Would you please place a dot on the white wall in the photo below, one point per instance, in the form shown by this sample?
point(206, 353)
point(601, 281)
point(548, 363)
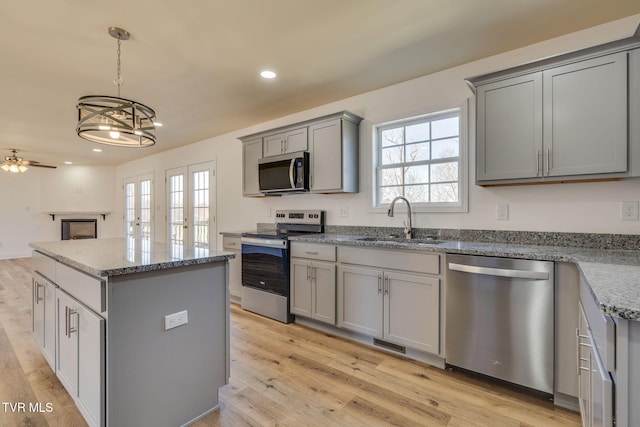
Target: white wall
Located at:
point(580, 207)
point(26, 198)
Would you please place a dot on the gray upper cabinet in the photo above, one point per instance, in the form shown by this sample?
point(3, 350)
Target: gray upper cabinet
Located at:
point(585, 117)
point(334, 156)
point(554, 120)
point(285, 142)
point(509, 138)
point(251, 154)
point(332, 142)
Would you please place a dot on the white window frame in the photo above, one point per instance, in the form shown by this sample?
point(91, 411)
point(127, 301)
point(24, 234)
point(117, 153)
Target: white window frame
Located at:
point(463, 166)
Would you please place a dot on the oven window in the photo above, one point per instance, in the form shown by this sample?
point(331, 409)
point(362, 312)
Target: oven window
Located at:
point(265, 268)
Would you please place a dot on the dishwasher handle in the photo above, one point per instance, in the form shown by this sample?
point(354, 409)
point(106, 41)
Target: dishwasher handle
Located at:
point(501, 272)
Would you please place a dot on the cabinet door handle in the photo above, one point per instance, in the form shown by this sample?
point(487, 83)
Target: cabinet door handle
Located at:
point(313, 273)
point(38, 297)
point(538, 163)
point(548, 160)
point(311, 252)
point(308, 273)
point(386, 285)
point(68, 329)
point(379, 283)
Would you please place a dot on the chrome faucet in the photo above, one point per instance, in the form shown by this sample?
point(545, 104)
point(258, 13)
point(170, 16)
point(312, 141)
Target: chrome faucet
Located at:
point(407, 223)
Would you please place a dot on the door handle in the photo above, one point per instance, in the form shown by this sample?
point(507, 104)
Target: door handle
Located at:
point(386, 285)
point(38, 297)
point(291, 178)
point(501, 272)
point(68, 329)
point(379, 283)
point(548, 160)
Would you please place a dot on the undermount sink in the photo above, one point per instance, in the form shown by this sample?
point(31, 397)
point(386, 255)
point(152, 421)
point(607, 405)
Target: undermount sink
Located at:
point(400, 240)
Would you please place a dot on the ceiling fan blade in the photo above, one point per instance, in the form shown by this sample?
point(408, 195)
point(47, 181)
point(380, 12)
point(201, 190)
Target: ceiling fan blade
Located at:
point(38, 165)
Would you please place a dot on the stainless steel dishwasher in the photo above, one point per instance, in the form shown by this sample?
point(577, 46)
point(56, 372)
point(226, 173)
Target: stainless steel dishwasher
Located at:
point(499, 318)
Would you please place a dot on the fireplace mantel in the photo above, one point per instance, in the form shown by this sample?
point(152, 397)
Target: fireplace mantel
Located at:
point(101, 213)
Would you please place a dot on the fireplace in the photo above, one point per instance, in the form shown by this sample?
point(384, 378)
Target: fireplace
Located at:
point(73, 229)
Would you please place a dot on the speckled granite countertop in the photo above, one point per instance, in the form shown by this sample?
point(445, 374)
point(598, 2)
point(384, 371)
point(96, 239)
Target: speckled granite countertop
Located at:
point(614, 275)
point(117, 256)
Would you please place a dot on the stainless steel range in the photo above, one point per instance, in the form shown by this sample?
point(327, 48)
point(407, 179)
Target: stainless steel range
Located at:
point(265, 262)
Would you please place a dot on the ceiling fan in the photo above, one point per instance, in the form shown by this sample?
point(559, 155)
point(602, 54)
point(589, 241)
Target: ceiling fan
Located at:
point(16, 164)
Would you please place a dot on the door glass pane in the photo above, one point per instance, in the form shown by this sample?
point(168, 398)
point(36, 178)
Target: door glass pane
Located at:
point(130, 209)
point(176, 210)
point(200, 213)
point(145, 209)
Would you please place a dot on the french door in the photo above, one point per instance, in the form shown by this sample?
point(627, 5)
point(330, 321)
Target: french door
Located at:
point(191, 206)
point(138, 204)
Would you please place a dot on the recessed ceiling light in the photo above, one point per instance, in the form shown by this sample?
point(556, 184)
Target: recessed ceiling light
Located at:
point(97, 150)
point(157, 124)
point(268, 74)
point(68, 163)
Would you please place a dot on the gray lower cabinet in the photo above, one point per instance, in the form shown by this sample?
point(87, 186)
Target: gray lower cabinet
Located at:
point(596, 341)
point(233, 244)
point(251, 154)
point(43, 310)
point(80, 356)
point(398, 301)
point(566, 122)
point(313, 281)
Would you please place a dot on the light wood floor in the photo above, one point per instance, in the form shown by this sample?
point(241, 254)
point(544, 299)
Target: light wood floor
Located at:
point(281, 375)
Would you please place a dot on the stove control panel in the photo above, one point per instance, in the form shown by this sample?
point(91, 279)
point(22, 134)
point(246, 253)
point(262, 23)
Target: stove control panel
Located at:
point(313, 217)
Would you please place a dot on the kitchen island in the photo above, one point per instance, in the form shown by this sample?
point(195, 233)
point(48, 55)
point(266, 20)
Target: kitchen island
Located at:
point(137, 331)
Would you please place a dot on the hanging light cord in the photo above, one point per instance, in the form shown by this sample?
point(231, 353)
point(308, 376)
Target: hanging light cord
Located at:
point(118, 80)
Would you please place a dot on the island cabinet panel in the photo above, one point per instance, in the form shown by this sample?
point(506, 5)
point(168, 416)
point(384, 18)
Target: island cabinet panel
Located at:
point(88, 289)
point(43, 311)
point(555, 123)
point(182, 367)
point(80, 356)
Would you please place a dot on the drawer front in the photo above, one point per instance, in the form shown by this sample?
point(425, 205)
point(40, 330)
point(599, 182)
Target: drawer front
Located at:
point(313, 251)
point(419, 262)
point(602, 327)
point(89, 290)
point(44, 265)
point(231, 243)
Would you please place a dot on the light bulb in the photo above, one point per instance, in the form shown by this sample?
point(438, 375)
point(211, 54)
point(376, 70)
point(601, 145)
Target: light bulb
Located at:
point(114, 134)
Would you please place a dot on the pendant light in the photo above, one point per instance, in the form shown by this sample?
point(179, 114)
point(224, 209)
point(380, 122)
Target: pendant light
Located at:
point(114, 120)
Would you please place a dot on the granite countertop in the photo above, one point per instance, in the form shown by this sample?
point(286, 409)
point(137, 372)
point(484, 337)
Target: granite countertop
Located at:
point(613, 275)
point(117, 256)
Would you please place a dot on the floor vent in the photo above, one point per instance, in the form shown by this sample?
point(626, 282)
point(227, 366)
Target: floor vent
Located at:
point(395, 347)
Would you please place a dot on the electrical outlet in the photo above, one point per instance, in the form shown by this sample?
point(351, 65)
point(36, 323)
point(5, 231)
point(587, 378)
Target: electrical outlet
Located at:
point(502, 211)
point(344, 211)
point(629, 211)
point(176, 319)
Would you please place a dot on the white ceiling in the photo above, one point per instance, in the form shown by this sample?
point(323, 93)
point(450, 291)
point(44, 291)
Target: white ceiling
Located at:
point(196, 62)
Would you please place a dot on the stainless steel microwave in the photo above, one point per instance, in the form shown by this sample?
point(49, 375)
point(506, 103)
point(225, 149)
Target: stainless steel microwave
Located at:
point(285, 173)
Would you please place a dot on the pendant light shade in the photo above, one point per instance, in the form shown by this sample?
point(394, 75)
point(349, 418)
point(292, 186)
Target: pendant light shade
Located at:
point(114, 120)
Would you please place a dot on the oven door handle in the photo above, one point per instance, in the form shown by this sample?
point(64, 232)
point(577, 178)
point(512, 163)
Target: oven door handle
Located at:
point(267, 243)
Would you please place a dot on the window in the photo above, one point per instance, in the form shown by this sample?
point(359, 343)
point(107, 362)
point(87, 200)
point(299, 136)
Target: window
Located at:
point(422, 160)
